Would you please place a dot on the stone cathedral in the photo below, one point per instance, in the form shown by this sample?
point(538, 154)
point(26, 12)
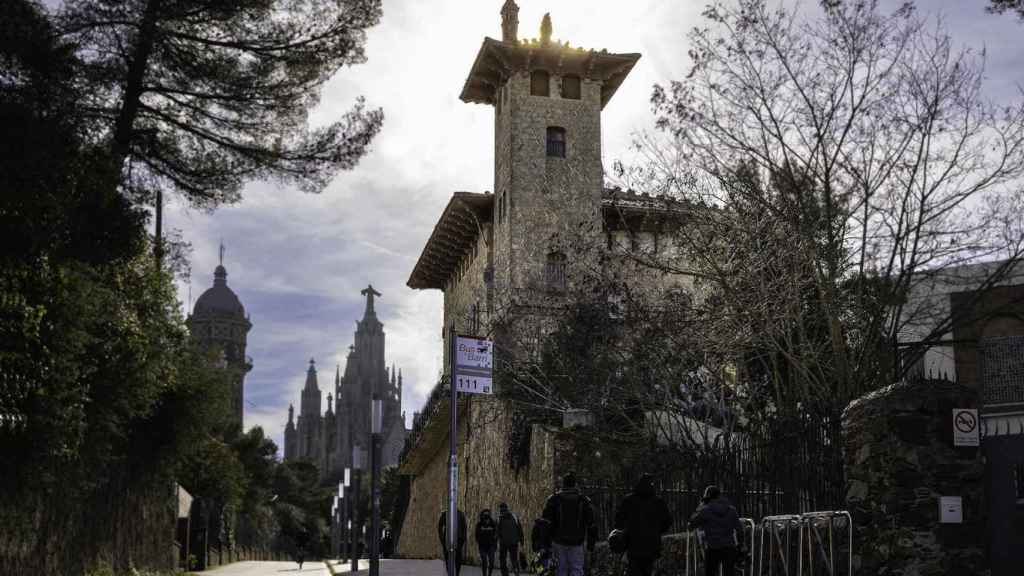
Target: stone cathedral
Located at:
point(330, 438)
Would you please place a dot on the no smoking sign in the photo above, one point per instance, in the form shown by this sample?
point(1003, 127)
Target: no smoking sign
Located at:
point(965, 427)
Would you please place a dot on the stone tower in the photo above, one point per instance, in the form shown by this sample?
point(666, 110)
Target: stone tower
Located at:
point(548, 175)
point(219, 320)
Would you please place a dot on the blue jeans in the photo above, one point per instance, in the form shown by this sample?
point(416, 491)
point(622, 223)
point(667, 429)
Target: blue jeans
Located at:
point(568, 560)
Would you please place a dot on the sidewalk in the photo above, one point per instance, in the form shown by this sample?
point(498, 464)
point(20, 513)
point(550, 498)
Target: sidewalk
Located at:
point(395, 567)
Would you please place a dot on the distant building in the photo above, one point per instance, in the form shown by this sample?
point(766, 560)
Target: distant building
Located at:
point(330, 438)
point(219, 320)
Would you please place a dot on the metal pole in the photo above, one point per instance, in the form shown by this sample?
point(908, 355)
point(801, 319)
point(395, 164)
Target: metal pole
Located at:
point(453, 463)
point(375, 431)
point(356, 519)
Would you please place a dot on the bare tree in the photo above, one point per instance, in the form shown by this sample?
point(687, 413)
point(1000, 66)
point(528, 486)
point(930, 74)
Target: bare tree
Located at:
point(846, 159)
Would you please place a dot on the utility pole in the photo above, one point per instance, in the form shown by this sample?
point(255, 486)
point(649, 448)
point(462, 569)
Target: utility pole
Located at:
point(453, 462)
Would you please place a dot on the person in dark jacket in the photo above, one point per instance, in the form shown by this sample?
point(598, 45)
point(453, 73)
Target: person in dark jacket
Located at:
point(510, 536)
point(540, 542)
point(460, 538)
point(644, 517)
point(486, 535)
point(572, 525)
point(723, 532)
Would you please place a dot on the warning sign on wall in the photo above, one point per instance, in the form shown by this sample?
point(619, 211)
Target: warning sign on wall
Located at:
point(965, 427)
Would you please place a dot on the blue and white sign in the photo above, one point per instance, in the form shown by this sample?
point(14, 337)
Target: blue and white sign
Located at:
point(473, 358)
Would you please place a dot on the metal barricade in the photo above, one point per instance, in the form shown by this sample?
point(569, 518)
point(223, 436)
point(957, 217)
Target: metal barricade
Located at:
point(777, 552)
point(820, 539)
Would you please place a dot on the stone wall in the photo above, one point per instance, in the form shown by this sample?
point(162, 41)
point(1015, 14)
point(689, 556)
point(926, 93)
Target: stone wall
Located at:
point(485, 478)
point(900, 459)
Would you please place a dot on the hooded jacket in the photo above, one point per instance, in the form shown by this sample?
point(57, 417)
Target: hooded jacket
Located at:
point(644, 517)
point(720, 522)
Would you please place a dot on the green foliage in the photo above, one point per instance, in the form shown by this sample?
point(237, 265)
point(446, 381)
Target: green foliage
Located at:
point(201, 96)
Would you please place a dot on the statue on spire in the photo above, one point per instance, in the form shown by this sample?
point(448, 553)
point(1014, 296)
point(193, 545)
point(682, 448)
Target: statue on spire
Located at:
point(545, 30)
point(369, 292)
point(510, 22)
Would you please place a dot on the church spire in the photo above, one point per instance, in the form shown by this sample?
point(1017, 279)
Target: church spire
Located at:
point(311, 375)
point(291, 414)
point(545, 30)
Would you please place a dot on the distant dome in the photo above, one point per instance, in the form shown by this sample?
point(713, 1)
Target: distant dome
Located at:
point(219, 299)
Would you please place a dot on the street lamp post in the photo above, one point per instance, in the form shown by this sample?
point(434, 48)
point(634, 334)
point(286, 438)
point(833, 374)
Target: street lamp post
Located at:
point(334, 526)
point(346, 514)
point(357, 464)
point(376, 416)
point(340, 518)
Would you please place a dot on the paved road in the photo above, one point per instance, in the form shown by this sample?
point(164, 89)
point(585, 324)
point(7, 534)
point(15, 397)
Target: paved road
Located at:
point(387, 568)
point(270, 569)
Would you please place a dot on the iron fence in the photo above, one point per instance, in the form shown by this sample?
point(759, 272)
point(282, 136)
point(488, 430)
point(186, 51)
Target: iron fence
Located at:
point(788, 467)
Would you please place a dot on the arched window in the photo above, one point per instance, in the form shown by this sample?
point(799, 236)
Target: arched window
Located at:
point(540, 83)
point(571, 87)
point(554, 272)
point(556, 142)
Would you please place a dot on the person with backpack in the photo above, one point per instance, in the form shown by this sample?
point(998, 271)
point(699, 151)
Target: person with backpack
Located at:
point(510, 536)
point(572, 525)
point(540, 542)
point(723, 532)
point(486, 535)
point(460, 538)
point(644, 518)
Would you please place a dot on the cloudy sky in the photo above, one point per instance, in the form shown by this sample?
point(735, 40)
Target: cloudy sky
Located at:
point(298, 261)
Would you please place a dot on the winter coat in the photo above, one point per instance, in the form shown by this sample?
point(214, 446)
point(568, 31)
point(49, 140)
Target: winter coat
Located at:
point(540, 534)
point(644, 517)
point(510, 533)
point(720, 522)
point(486, 533)
point(571, 517)
point(442, 529)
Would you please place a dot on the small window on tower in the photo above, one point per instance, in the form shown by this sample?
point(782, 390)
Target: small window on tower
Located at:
point(571, 87)
point(554, 272)
point(540, 83)
point(556, 142)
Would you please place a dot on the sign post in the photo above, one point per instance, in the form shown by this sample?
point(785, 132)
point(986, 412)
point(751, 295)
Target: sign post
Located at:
point(965, 427)
point(469, 371)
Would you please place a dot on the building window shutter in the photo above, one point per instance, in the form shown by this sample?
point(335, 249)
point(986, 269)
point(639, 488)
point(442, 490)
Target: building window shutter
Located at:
point(571, 87)
point(540, 83)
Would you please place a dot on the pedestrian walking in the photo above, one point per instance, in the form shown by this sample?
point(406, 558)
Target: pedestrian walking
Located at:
point(486, 535)
point(644, 518)
point(723, 532)
point(510, 537)
point(572, 526)
point(460, 539)
point(540, 542)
